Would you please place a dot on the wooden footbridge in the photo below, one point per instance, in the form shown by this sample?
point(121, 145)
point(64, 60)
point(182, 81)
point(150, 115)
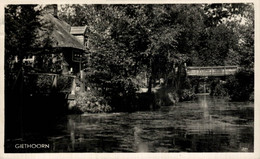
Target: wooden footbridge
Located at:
point(212, 71)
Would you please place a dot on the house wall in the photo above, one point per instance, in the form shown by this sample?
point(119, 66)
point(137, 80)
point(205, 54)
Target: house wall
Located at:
point(45, 61)
point(68, 57)
point(81, 39)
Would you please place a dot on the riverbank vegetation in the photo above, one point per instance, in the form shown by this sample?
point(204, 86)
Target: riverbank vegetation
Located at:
point(154, 41)
point(241, 86)
point(125, 40)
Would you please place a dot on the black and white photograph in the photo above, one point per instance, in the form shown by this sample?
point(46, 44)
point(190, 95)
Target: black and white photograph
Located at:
point(129, 78)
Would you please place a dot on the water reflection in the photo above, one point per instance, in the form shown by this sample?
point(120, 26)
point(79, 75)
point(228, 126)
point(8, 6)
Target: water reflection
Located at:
point(205, 125)
point(204, 105)
point(140, 145)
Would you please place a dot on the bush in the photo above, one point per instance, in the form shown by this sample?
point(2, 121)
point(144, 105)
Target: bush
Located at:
point(252, 97)
point(241, 85)
point(166, 96)
point(218, 88)
point(43, 83)
point(64, 83)
point(187, 95)
point(91, 102)
point(38, 84)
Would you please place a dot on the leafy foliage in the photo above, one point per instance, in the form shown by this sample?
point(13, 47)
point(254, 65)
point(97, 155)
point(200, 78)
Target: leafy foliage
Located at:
point(125, 40)
point(241, 85)
point(34, 83)
point(218, 88)
point(23, 25)
point(91, 102)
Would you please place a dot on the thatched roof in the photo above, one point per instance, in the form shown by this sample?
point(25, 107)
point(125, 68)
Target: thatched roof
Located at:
point(78, 30)
point(61, 33)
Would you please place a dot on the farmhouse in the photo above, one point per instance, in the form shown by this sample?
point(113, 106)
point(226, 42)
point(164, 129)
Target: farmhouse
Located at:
point(67, 51)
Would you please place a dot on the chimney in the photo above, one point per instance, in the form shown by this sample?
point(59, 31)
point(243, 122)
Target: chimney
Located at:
point(52, 9)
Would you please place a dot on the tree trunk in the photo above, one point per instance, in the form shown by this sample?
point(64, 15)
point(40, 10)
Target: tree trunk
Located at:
point(150, 78)
point(178, 77)
point(150, 84)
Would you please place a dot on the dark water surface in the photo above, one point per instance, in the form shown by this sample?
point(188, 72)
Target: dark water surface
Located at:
point(204, 125)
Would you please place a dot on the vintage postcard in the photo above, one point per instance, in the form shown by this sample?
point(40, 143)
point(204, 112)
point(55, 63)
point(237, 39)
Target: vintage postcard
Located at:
point(122, 79)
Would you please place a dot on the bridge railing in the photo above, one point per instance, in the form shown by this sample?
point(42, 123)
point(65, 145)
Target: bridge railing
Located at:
point(212, 71)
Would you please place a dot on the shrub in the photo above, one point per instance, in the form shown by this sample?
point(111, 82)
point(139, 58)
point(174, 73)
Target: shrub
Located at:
point(43, 83)
point(187, 95)
point(252, 98)
point(241, 85)
point(64, 83)
point(166, 96)
point(218, 88)
point(91, 102)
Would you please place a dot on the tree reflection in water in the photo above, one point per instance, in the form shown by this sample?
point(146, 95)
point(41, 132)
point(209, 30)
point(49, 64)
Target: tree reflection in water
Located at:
point(204, 125)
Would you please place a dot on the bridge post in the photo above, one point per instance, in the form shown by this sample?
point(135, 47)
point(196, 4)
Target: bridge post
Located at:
point(204, 84)
point(224, 70)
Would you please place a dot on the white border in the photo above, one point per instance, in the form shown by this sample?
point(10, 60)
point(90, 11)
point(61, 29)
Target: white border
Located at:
point(255, 155)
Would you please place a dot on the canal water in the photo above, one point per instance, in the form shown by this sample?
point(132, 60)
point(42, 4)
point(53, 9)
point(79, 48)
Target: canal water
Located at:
point(204, 125)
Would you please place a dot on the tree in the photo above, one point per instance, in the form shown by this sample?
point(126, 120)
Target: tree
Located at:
point(21, 23)
point(127, 39)
point(238, 23)
point(157, 39)
point(235, 23)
